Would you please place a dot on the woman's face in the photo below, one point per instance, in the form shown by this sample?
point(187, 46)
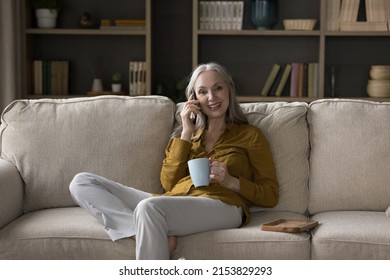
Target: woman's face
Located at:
point(213, 94)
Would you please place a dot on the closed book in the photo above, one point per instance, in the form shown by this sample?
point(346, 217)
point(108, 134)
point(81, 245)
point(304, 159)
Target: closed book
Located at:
point(316, 80)
point(349, 10)
point(218, 16)
point(270, 79)
point(212, 15)
point(388, 13)
point(238, 14)
point(46, 77)
point(38, 76)
point(283, 80)
point(376, 10)
point(55, 77)
point(294, 79)
point(332, 14)
point(202, 15)
point(305, 79)
point(310, 81)
point(277, 81)
point(65, 77)
point(301, 75)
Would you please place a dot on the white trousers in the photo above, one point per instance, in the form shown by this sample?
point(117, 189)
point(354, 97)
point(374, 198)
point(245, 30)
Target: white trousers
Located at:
point(125, 211)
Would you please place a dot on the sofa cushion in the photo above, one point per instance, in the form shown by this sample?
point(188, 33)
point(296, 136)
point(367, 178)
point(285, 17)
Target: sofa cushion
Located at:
point(51, 140)
point(285, 127)
point(247, 243)
point(349, 161)
point(73, 234)
point(63, 233)
point(351, 235)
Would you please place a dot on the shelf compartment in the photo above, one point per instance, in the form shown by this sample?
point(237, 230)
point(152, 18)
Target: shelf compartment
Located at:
point(67, 31)
point(352, 58)
point(258, 33)
point(251, 65)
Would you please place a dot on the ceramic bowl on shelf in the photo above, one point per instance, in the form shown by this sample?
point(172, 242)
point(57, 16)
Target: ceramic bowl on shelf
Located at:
point(378, 88)
point(380, 72)
point(299, 24)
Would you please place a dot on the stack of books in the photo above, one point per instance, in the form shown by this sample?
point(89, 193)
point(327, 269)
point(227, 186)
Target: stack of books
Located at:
point(50, 77)
point(137, 78)
point(302, 79)
point(221, 15)
point(358, 15)
point(127, 24)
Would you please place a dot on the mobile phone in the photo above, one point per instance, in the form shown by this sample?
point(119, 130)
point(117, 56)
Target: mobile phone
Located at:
point(193, 116)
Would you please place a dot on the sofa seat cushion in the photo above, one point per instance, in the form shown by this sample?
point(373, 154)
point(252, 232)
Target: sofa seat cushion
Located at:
point(248, 242)
point(72, 234)
point(62, 233)
point(119, 137)
point(351, 235)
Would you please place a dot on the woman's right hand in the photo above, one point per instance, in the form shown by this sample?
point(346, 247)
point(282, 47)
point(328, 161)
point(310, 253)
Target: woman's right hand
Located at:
point(188, 114)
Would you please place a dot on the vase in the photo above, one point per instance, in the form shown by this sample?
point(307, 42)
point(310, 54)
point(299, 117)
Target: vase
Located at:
point(97, 85)
point(116, 87)
point(46, 18)
point(264, 13)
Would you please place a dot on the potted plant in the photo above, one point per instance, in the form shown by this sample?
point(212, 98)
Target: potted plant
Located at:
point(46, 12)
point(116, 82)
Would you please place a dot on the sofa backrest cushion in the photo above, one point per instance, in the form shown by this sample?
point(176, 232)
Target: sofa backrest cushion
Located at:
point(285, 127)
point(118, 137)
point(350, 155)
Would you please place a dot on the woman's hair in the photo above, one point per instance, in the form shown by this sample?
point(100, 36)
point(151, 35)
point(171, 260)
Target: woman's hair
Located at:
point(234, 112)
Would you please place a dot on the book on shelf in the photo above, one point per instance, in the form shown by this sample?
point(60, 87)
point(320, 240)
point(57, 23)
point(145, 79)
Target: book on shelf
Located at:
point(316, 79)
point(313, 77)
point(388, 14)
point(376, 10)
point(50, 77)
point(304, 80)
point(270, 79)
point(332, 15)
point(360, 15)
point(301, 79)
point(137, 78)
point(272, 91)
point(294, 79)
point(221, 15)
point(349, 10)
point(283, 80)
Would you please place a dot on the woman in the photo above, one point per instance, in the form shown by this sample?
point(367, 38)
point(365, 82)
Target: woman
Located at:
point(242, 173)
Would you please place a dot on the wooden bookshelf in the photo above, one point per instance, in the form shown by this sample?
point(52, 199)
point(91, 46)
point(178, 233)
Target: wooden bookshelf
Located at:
point(117, 47)
point(249, 53)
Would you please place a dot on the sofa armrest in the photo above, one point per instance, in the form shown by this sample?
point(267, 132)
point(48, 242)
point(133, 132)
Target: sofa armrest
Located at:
point(11, 193)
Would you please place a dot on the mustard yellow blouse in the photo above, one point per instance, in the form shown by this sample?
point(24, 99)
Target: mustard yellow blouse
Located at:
point(245, 151)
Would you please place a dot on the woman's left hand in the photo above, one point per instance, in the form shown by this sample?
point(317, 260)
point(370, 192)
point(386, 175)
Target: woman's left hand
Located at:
point(220, 174)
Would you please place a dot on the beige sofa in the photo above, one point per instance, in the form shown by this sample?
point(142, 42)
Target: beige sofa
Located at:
point(332, 159)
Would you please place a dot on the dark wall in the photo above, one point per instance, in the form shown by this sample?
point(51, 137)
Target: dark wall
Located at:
point(172, 43)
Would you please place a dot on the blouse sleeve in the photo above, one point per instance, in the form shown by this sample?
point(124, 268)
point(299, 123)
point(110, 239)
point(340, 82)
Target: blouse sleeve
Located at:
point(174, 165)
point(263, 190)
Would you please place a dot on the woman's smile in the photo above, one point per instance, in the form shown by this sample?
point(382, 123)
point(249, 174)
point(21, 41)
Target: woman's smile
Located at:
point(215, 106)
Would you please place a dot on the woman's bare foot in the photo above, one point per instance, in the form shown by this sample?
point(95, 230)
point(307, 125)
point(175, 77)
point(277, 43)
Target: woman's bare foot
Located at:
point(172, 241)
